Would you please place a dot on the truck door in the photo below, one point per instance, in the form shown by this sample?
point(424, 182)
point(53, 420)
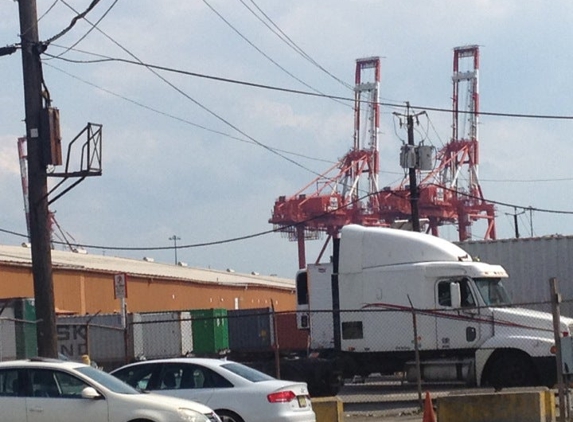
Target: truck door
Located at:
point(457, 328)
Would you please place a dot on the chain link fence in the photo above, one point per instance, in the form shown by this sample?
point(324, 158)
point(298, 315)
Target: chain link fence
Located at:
point(380, 356)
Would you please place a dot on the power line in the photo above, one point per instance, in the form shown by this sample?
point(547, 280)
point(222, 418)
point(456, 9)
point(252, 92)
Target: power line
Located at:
point(91, 29)
point(275, 29)
point(261, 51)
point(104, 59)
point(562, 179)
point(180, 119)
point(196, 102)
point(73, 21)
point(505, 204)
point(263, 233)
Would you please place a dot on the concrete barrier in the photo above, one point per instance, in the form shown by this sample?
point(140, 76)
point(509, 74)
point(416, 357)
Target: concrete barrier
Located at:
point(504, 406)
point(328, 409)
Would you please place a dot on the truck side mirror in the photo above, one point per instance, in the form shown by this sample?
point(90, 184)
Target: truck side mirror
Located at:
point(455, 295)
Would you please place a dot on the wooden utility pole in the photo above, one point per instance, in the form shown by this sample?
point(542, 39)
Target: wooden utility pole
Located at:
point(412, 174)
point(37, 180)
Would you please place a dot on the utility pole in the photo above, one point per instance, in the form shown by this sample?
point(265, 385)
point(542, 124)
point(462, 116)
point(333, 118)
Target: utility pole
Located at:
point(175, 239)
point(414, 194)
point(410, 159)
point(37, 181)
point(515, 222)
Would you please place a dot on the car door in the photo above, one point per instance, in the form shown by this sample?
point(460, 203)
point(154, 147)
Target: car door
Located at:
point(458, 328)
point(12, 397)
point(57, 396)
point(188, 381)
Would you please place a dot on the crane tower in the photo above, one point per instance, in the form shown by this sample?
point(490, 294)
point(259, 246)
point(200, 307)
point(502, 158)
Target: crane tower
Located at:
point(451, 193)
point(348, 192)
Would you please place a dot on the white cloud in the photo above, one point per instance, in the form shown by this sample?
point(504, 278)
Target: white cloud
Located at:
point(162, 175)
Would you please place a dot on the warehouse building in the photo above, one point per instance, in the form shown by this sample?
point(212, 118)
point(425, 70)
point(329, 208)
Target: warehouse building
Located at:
point(84, 284)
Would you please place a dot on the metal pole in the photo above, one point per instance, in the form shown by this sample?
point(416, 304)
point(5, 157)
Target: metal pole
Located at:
point(337, 336)
point(417, 355)
point(37, 181)
point(175, 239)
point(555, 301)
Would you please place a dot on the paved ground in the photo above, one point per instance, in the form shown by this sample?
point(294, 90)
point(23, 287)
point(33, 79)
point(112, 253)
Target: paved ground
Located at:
point(383, 417)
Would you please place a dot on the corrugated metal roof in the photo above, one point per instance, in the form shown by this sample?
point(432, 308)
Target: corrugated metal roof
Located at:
point(18, 255)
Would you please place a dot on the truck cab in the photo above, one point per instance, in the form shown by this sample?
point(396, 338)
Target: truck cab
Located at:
point(467, 329)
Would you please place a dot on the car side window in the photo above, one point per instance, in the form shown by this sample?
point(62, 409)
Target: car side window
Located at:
point(70, 386)
point(170, 378)
point(444, 298)
point(10, 382)
point(44, 383)
point(138, 376)
point(196, 376)
point(467, 296)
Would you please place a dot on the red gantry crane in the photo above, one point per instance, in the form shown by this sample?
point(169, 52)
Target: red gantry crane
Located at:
point(348, 192)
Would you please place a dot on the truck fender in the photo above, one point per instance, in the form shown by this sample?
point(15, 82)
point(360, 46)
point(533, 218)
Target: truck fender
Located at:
point(530, 345)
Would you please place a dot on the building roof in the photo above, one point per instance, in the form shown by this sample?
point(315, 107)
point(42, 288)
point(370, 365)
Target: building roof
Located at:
point(21, 256)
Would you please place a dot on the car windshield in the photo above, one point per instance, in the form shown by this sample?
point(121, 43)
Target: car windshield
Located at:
point(492, 291)
point(246, 372)
point(108, 381)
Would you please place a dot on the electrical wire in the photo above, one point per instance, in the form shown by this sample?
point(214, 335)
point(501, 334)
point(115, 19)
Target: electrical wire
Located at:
point(73, 21)
point(48, 10)
point(263, 53)
point(281, 229)
point(199, 104)
point(104, 59)
point(275, 29)
point(91, 28)
point(562, 179)
point(300, 92)
point(180, 119)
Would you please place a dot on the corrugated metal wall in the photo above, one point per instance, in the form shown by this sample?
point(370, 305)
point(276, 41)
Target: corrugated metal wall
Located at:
point(531, 262)
point(82, 292)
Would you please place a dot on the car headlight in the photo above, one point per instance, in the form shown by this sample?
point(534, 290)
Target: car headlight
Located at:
point(190, 415)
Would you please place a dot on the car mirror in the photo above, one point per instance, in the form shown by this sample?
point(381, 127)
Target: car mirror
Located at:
point(90, 393)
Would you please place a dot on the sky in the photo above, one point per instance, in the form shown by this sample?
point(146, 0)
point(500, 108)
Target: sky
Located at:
point(204, 160)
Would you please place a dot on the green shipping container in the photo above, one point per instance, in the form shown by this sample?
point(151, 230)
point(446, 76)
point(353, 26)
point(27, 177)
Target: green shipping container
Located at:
point(26, 339)
point(210, 331)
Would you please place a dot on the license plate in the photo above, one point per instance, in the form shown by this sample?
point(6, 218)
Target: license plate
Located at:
point(301, 401)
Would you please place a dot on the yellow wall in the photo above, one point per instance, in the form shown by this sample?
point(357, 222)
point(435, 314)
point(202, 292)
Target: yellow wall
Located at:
point(90, 291)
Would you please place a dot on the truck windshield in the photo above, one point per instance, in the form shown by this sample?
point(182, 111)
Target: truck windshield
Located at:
point(492, 291)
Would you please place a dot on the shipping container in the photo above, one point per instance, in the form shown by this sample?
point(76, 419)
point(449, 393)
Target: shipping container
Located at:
point(210, 331)
point(18, 338)
point(99, 336)
point(161, 334)
point(250, 330)
point(530, 263)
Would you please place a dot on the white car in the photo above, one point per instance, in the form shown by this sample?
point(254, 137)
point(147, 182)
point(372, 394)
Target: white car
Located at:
point(236, 392)
point(50, 390)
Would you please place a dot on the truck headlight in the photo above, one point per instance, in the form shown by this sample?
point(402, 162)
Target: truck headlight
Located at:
point(190, 415)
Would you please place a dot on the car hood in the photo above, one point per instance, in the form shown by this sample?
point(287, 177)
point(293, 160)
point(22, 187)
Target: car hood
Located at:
point(171, 402)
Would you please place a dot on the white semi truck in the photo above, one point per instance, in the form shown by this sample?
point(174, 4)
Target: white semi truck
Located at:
point(359, 310)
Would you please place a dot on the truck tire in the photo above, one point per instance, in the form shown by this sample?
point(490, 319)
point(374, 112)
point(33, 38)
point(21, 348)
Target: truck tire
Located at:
point(511, 368)
point(321, 376)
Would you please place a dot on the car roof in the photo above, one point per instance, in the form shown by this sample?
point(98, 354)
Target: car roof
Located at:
point(41, 363)
point(199, 361)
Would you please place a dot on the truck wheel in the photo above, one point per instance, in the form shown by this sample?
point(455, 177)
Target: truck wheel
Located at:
point(228, 416)
point(511, 369)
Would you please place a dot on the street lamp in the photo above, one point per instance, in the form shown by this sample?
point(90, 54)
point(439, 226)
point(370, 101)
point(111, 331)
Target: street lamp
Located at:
point(175, 239)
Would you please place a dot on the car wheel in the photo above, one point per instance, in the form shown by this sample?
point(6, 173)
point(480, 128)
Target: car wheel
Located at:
point(228, 416)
